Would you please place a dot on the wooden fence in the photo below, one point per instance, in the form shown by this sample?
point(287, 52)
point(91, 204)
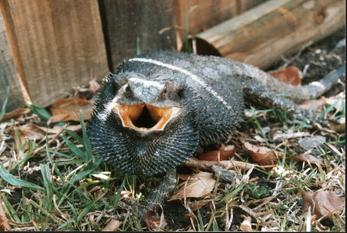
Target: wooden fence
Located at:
point(47, 47)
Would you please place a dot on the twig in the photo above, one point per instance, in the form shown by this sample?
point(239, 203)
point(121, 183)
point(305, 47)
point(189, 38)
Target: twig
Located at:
point(227, 164)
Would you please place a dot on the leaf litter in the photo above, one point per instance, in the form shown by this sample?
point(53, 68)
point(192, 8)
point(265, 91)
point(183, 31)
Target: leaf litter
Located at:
point(214, 189)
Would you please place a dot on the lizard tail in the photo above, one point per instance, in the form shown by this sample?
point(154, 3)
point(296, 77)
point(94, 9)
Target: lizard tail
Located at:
point(297, 94)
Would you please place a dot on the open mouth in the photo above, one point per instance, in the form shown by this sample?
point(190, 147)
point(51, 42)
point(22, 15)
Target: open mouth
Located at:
point(144, 117)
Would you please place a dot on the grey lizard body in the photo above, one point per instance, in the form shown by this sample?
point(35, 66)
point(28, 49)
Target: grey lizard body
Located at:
point(158, 108)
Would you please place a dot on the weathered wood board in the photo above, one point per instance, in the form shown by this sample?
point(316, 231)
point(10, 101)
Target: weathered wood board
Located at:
point(9, 85)
point(273, 29)
point(60, 44)
point(194, 16)
point(136, 26)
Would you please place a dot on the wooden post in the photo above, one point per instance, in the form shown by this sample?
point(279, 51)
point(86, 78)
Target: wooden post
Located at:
point(11, 81)
point(58, 45)
point(136, 26)
point(273, 29)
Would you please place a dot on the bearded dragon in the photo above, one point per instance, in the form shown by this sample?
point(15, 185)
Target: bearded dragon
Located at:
point(155, 111)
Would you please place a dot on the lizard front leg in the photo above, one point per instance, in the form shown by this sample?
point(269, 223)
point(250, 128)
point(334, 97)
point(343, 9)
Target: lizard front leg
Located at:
point(155, 199)
point(161, 192)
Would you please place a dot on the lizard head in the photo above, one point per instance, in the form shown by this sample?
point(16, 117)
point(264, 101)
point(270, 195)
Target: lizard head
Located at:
point(142, 126)
point(147, 106)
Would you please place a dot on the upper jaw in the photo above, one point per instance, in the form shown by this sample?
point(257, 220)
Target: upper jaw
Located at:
point(145, 118)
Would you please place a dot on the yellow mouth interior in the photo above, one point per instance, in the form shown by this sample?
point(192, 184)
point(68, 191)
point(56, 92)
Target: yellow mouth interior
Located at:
point(144, 117)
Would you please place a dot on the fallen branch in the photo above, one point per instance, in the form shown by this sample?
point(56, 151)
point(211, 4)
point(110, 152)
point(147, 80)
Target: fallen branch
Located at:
point(272, 30)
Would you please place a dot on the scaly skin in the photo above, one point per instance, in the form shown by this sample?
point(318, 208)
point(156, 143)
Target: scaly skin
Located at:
point(209, 93)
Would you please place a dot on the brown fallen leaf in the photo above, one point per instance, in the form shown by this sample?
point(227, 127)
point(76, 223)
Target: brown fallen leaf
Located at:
point(260, 154)
point(337, 101)
point(315, 104)
point(246, 226)
point(112, 225)
point(4, 225)
point(198, 185)
point(291, 75)
point(68, 109)
point(154, 222)
point(94, 86)
point(198, 204)
point(339, 127)
point(307, 157)
point(31, 131)
point(323, 203)
point(35, 132)
point(19, 112)
point(223, 153)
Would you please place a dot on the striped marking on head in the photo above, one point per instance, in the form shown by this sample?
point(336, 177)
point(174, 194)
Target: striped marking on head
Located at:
point(194, 77)
point(108, 107)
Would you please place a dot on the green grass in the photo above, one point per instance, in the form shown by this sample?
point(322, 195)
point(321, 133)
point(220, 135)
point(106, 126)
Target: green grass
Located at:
point(65, 187)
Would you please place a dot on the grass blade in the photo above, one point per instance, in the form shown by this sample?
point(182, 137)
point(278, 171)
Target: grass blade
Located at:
point(17, 182)
point(40, 111)
point(86, 142)
point(77, 151)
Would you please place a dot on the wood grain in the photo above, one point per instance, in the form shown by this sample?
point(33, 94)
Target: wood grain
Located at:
point(136, 26)
point(194, 16)
point(60, 44)
point(9, 84)
point(273, 29)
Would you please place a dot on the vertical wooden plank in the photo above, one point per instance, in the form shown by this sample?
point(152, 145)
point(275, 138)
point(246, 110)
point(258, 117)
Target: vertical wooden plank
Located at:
point(137, 26)
point(9, 85)
point(60, 43)
point(194, 16)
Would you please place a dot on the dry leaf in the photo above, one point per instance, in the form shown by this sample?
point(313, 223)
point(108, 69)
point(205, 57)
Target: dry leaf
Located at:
point(309, 143)
point(291, 75)
point(339, 127)
point(19, 112)
point(323, 203)
point(94, 86)
point(246, 226)
point(338, 101)
point(31, 131)
point(34, 132)
point(4, 225)
point(26, 132)
point(112, 225)
point(315, 104)
point(199, 185)
point(68, 109)
point(198, 204)
point(261, 155)
point(307, 157)
point(155, 223)
point(223, 153)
